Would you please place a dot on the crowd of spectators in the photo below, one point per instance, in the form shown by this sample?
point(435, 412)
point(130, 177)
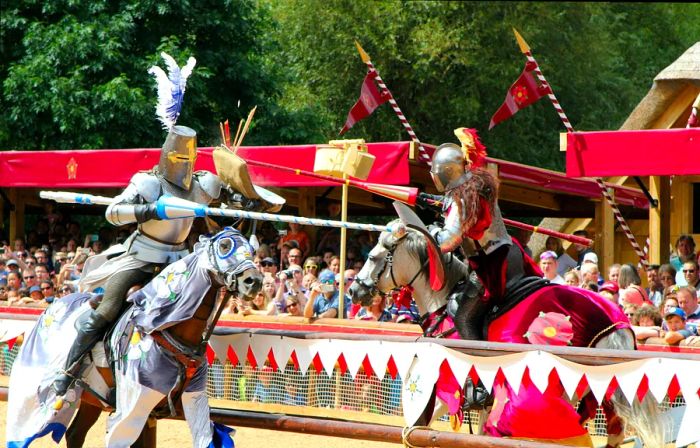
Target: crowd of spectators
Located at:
point(666, 308)
point(303, 280)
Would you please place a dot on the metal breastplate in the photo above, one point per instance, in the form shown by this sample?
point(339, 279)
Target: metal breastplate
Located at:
point(174, 231)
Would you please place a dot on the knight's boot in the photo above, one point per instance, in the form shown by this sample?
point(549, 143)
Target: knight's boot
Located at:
point(89, 333)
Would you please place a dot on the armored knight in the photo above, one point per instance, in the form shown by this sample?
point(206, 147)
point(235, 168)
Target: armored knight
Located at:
point(473, 221)
point(156, 242)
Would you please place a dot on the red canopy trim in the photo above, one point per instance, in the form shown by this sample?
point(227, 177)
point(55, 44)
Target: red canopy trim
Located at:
point(558, 182)
point(649, 152)
point(107, 168)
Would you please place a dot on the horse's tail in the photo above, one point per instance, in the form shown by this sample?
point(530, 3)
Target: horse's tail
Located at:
point(644, 417)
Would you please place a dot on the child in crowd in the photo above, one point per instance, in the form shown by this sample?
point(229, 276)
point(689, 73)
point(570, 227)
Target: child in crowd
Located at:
point(675, 321)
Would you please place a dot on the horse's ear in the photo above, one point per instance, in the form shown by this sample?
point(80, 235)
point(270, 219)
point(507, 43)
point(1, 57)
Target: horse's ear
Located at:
point(436, 265)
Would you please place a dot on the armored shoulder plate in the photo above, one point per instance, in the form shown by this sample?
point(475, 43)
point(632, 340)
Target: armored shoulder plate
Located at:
point(209, 182)
point(147, 185)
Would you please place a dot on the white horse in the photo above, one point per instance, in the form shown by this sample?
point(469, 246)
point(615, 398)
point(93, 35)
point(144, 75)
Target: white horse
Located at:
point(400, 259)
point(157, 353)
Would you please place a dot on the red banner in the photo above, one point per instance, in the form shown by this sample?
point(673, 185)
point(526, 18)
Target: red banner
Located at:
point(114, 167)
point(370, 99)
point(526, 90)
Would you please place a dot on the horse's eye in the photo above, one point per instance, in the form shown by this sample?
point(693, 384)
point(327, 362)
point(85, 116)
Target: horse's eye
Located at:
point(225, 246)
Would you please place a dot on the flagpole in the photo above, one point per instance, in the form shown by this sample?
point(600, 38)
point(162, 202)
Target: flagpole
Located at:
point(422, 153)
point(525, 49)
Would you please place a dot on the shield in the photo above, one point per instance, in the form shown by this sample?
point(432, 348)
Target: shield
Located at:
point(436, 263)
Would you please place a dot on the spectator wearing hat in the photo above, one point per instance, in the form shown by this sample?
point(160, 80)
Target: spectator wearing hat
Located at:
point(549, 267)
point(12, 265)
point(323, 298)
point(675, 321)
point(35, 298)
point(634, 295)
point(688, 301)
point(268, 265)
point(610, 291)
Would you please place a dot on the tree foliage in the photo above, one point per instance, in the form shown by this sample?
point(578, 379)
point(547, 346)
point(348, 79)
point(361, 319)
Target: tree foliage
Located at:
point(75, 72)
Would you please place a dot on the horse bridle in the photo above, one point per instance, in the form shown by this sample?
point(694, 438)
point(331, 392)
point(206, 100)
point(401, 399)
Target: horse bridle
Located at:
point(388, 262)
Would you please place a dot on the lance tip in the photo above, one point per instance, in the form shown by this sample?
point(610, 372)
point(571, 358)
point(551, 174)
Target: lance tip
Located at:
point(524, 47)
point(363, 54)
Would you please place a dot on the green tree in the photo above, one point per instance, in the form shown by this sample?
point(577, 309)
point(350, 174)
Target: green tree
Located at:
point(75, 72)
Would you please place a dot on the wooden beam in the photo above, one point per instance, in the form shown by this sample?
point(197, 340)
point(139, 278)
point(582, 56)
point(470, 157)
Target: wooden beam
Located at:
point(679, 106)
point(660, 220)
point(530, 197)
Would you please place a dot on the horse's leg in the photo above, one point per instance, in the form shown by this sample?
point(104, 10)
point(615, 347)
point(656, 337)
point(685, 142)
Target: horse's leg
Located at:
point(644, 417)
point(148, 438)
point(195, 406)
point(77, 431)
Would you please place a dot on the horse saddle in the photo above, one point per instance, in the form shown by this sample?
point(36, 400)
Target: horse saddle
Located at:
point(467, 289)
point(515, 294)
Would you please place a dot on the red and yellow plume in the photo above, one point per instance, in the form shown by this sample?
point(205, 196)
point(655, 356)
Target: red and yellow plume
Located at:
point(474, 151)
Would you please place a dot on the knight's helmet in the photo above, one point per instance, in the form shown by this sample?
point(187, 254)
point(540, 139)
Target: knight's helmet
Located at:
point(452, 165)
point(178, 155)
point(448, 170)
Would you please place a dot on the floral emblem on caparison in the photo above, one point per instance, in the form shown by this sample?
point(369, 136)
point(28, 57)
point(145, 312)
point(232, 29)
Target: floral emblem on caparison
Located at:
point(139, 345)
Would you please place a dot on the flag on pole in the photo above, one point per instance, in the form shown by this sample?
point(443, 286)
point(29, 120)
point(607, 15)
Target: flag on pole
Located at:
point(370, 99)
point(526, 90)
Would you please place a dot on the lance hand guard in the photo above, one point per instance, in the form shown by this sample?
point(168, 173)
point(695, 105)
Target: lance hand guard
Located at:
point(430, 201)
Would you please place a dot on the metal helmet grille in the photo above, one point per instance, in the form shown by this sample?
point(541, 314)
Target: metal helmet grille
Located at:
point(178, 156)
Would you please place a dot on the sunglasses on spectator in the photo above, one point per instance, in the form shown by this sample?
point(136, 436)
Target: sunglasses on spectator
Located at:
point(689, 271)
point(267, 264)
point(28, 277)
point(311, 266)
point(44, 288)
point(289, 305)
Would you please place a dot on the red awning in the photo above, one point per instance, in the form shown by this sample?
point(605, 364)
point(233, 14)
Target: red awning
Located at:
point(649, 152)
point(114, 167)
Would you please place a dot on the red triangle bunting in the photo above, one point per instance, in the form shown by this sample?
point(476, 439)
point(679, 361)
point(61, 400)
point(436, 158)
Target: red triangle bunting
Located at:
point(251, 358)
point(643, 388)
point(612, 387)
point(367, 366)
point(342, 364)
point(673, 388)
point(318, 365)
point(391, 367)
point(271, 359)
point(210, 355)
point(294, 359)
point(231, 353)
point(582, 386)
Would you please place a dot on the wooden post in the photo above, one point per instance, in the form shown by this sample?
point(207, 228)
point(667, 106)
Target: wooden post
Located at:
point(660, 219)
point(605, 236)
point(16, 215)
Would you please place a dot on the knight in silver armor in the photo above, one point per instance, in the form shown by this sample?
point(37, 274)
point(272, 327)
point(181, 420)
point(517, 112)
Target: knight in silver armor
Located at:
point(466, 192)
point(153, 245)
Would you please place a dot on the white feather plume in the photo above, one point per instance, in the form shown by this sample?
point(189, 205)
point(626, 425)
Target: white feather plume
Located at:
point(171, 88)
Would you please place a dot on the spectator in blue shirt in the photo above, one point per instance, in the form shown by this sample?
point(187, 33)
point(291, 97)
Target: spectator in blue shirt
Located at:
point(323, 299)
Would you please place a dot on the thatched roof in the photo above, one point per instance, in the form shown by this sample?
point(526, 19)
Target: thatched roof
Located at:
point(668, 84)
